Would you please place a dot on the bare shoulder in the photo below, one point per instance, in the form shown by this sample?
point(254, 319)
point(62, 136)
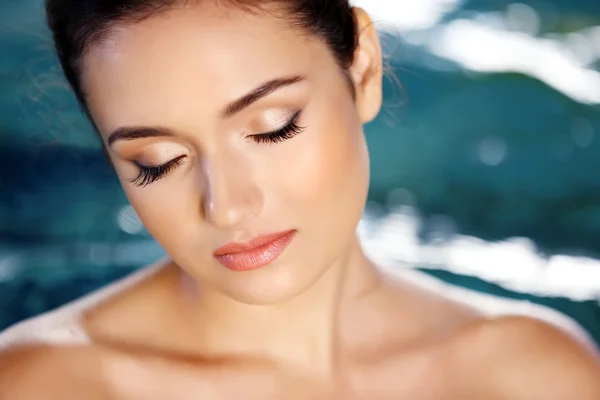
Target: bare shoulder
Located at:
point(524, 358)
point(51, 355)
point(91, 372)
point(50, 372)
point(66, 324)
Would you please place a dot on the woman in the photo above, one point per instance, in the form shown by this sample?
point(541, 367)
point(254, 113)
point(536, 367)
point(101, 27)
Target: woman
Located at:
point(235, 128)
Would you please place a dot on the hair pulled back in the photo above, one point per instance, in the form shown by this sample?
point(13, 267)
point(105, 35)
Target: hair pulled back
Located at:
point(76, 25)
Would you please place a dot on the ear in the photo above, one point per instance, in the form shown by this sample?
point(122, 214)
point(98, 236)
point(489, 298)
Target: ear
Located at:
point(367, 69)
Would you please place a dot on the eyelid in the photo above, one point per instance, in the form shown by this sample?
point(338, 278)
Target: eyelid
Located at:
point(291, 118)
point(289, 131)
point(139, 164)
point(156, 153)
point(279, 116)
point(150, 174)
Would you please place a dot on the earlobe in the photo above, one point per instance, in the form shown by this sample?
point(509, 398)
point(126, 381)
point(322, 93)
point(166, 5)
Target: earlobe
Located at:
point(367, 68)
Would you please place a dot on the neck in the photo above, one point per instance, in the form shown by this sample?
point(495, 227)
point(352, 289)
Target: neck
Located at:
point(302, 333)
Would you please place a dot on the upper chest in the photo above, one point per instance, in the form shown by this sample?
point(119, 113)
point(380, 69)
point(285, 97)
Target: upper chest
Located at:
point(414, 375)
point(420, 373)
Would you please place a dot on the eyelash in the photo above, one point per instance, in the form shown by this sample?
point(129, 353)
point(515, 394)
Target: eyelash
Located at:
point(148, 175)
point(290, 130)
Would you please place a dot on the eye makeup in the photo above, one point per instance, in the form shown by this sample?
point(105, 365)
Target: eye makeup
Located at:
point(151, 173)
point(288, 131)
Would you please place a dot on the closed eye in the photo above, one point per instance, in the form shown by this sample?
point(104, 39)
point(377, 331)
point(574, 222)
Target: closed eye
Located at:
point(148, 175)
point(290, 130)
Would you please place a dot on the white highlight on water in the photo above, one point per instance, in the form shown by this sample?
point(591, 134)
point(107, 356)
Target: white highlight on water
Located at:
point(513, 264)
point(498, 42)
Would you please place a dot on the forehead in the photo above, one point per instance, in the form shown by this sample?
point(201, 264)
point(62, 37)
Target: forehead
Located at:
point(200, 57)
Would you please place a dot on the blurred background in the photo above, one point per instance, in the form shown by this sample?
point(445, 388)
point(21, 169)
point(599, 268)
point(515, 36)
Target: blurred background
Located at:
point(485, 159)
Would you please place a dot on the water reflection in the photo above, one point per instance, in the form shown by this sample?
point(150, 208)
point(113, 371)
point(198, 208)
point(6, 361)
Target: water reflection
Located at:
point(514, 263)
point(499, 41)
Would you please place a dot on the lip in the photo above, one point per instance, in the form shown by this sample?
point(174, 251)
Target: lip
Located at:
point(255, 253)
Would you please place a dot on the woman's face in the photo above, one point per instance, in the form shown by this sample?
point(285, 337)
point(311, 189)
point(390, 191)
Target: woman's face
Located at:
point(292, 158)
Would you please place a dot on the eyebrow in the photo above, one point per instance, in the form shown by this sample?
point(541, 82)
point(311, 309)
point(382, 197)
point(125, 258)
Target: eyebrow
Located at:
point(133, 133)
point(231, 109)
point(262, 91)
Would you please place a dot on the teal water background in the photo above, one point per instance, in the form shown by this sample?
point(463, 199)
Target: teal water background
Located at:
point(499, 154)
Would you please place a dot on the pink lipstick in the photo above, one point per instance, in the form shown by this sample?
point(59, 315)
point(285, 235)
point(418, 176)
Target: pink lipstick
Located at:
point(255, 253)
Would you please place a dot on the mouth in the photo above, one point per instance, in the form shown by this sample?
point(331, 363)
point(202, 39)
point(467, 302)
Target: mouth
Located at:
point(255, 253)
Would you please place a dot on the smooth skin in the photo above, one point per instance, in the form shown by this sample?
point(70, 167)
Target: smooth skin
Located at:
point(321, 321)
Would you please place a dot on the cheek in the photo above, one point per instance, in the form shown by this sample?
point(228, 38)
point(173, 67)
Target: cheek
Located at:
point(328, 172)
point(163, 207)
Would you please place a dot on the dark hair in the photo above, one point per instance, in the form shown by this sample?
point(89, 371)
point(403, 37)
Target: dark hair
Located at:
point(78, 24)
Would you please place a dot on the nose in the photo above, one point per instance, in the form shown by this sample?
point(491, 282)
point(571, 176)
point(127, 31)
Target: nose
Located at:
point(231, 194)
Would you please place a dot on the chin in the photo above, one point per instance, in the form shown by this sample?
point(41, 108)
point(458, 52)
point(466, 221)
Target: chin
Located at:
point(271, 285)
